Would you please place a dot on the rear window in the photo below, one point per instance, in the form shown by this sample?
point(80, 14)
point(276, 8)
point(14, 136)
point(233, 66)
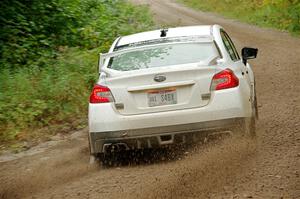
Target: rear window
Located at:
point(164, 55)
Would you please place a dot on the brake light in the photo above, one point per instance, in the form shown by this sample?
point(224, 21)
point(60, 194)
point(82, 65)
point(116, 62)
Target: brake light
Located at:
point(224, 80)
point(101, 94)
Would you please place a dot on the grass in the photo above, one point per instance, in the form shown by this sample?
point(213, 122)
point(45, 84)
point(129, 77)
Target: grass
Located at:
point(41, 100)
point(55, 96)
point(279, 14)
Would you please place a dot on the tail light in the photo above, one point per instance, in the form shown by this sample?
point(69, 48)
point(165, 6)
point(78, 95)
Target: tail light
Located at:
point(101, 94)
point(224, 79)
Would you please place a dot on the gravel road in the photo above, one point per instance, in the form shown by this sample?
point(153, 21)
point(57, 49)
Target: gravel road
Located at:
point(268, 167)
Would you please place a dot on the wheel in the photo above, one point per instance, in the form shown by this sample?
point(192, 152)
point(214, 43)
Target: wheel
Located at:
point(93, 159)
point(245, 127)
point(249, 128)
point(251, 123)
point(254, 105)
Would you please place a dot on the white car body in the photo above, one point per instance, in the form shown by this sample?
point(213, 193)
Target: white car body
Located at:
point(135, 115)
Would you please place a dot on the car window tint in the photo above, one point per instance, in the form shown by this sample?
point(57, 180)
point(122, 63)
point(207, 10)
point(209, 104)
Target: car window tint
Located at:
point(232, 46)
point(228, 47)
point(165, 55)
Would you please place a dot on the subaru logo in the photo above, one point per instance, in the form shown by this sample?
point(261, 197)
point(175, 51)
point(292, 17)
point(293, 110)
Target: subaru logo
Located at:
point(159, 78)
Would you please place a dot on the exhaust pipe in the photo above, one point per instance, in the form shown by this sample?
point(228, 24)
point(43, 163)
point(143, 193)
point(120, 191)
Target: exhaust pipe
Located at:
point(114, 147)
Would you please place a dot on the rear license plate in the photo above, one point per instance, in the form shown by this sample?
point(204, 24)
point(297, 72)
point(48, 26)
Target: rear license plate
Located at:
point(162, 97)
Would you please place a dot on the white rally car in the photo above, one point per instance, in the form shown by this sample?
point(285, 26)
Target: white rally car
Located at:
point(165, 86)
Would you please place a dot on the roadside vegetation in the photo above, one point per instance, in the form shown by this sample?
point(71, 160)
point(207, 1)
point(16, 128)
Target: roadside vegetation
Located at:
point(48, 61)
point(280, 14)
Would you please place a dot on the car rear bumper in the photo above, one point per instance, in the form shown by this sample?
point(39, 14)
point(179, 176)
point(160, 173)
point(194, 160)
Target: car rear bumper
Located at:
point(152, 137)
point(107, 126)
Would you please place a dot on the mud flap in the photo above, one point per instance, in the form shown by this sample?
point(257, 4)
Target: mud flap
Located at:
point(92, 159)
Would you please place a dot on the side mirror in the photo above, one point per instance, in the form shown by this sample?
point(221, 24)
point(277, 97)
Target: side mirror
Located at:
point(249, 53)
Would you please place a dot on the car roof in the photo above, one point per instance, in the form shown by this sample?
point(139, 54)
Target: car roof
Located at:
point(204, 30)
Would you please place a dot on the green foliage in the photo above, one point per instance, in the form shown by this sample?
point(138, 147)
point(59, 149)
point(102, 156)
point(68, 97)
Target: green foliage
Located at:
point(281, 14)
point(32, 31)
point(49, 52)
point(31, 97)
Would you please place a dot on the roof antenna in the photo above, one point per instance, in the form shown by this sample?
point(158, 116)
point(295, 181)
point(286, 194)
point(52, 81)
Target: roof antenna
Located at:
point(163, 32)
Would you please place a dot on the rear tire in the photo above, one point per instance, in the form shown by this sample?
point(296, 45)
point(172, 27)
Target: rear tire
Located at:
point(249, 129)
point(93, 159)
point(249, 124)
point(246, 127)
